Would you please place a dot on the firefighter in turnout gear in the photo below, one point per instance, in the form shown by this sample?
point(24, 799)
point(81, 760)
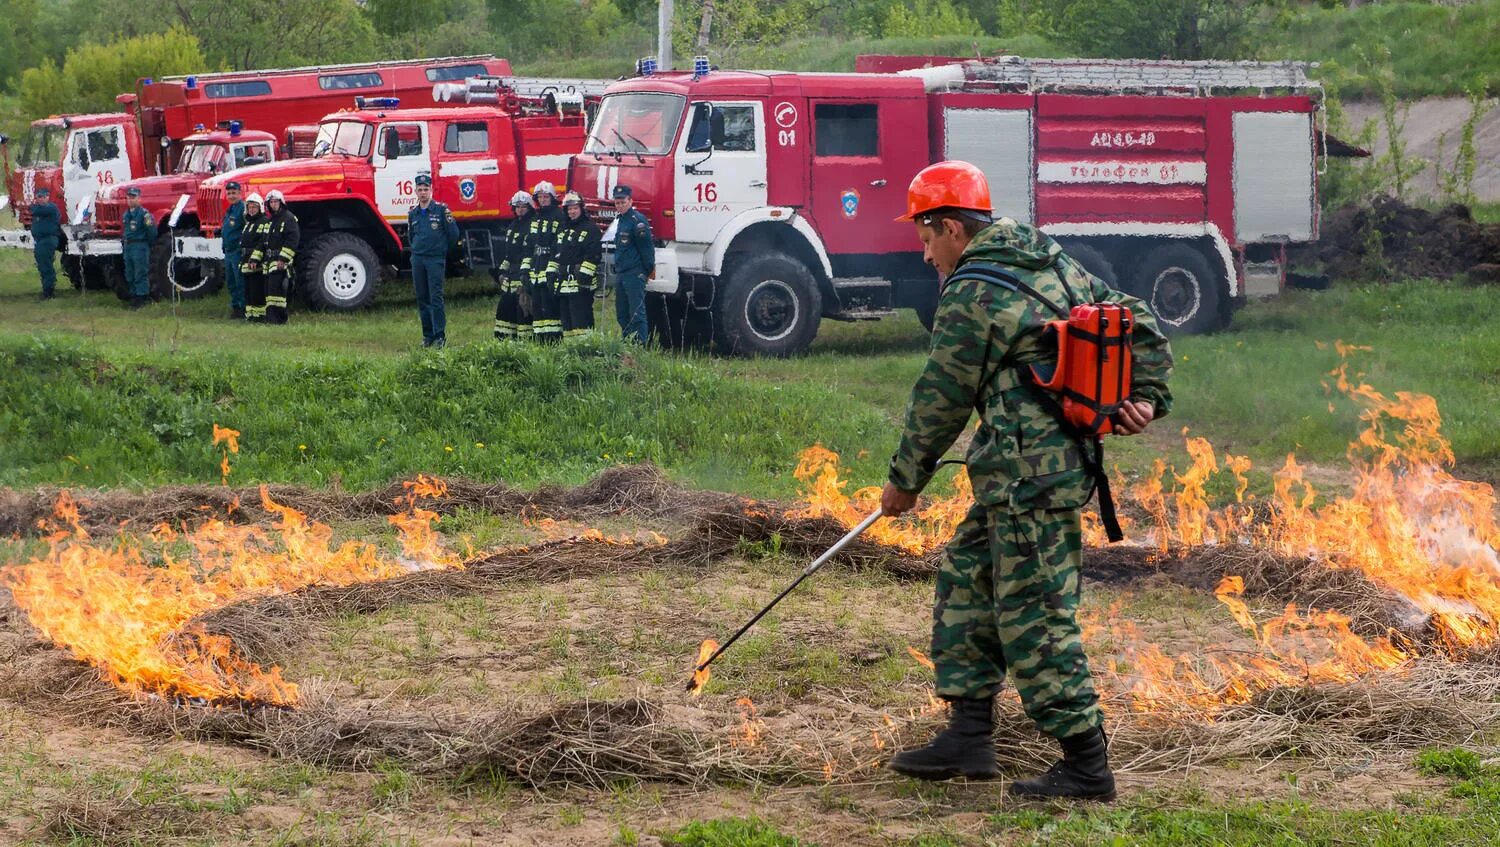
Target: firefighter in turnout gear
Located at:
point(139, 233)
point(46, 231)
point(231, 232)
point(1008, 588)
point(541, 243)
point(253, 253)
point(579, 250)
point(635, 262)
point(430, 231)
point(510, 320)
point(282, 238)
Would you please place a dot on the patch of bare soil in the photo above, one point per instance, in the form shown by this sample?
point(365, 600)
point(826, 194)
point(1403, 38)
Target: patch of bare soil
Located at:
point(1408, 240)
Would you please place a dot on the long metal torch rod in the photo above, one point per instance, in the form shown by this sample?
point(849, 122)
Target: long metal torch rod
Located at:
point(806, 572)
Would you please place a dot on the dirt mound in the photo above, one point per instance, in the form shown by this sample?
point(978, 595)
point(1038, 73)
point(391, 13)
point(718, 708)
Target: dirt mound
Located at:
point(1406, 241)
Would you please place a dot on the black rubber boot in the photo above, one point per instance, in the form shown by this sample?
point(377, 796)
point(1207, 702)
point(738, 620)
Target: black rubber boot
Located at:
point(1082, 774)
point(966, 748)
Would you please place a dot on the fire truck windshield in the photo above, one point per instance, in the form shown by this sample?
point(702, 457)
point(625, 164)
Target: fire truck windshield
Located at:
point(636, 122)
point(343, 138)
point(43, 146)
point(201, 159)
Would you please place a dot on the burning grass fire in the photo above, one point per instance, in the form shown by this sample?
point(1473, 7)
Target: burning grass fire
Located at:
point(1409, 526)
point(125, 608)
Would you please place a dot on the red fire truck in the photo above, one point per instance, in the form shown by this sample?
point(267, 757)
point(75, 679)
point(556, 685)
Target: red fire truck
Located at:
point(774, 195)
point(351, 198)
point(78, 155)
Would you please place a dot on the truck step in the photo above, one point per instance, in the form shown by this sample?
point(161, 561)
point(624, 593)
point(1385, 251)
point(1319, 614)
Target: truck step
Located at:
point(852, 315)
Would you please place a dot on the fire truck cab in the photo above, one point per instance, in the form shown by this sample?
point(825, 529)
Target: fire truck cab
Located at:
point(170, 200)
point(73, 156)
point(353, 195)
point(774, 195)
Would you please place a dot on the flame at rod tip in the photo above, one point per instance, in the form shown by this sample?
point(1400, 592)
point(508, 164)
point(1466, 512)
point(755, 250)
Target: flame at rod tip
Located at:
point(701, 672)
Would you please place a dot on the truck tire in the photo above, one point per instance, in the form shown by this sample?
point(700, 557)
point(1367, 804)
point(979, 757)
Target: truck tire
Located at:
point(769, 306)
point(1093, 260)
point(338, 271)
point(73, 269)
point(1180, 286)
point(193, 278)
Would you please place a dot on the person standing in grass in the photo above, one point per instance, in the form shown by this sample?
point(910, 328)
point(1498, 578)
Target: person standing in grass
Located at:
point(1008, 588)
point(253, 248)
point(635, 262)
point(430, 231)
point(231, 232)
point(579, 250)
point(511, 321)
point(282, 239)
point(139, 233)
point(46, 231)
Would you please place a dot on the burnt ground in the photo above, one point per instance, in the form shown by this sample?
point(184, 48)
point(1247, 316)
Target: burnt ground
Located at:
point(536, 698)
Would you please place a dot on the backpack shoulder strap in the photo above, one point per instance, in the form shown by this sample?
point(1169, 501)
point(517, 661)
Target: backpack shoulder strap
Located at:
point(997, 274)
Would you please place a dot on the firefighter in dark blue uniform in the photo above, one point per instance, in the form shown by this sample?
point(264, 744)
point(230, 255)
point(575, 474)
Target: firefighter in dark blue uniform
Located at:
point(140, 232)
point(231, 232)
point(430, 231)
point(635, 262)
point(46, 230)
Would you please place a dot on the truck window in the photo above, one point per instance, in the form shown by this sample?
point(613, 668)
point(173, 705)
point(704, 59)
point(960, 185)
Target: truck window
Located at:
point(252, 154)
point(410, 135)
point(467, 138)
point(636, 122)
point(738, 132)
point(846, 129)
point(104, 144)
point(342, 82)
point(455, 73)
point(247, 88)
point(41, 146)
point(345, 138)
point(201, 159)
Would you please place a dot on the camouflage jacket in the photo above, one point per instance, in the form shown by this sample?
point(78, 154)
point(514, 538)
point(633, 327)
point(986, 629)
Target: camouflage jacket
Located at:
point(1019, 459)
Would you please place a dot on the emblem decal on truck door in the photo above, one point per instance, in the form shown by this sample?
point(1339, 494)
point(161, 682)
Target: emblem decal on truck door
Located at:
point(467, 189)
point(849, 202)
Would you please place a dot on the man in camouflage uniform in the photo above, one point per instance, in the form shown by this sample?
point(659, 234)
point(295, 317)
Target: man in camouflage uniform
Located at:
point(1008, 589)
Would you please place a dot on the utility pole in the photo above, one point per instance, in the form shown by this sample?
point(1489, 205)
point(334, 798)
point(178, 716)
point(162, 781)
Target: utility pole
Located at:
point(664, 35)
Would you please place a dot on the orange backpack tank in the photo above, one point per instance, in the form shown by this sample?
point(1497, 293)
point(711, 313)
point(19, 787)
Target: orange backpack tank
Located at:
point(1089, 381)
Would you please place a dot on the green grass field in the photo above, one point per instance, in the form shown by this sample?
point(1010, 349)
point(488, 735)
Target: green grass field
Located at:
point(101, 396)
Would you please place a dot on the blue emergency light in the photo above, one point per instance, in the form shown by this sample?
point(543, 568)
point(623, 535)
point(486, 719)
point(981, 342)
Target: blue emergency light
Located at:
point(701, 67)
point(199, 128)
point(146, 81)
point(234, 128)
point(646, 66)
point(377, 102)
point(192, 82)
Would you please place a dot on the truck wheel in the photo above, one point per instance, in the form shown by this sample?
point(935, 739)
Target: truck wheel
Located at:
point(73, 269)
point(770, 307)
point(193, 278)
point(1093, 261)
point(338, 271)
point(1180, 286)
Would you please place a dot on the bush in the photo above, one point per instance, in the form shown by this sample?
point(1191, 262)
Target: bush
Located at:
point(93, 74)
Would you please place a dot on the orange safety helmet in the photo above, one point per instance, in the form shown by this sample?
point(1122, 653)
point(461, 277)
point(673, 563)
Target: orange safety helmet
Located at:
point(947, 185)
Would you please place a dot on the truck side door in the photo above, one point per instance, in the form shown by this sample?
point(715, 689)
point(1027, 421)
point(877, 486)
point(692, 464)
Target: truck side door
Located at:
point(468, 174)
point(395, 178)
point(721, 167)
point(865, 153)
point(96, 159)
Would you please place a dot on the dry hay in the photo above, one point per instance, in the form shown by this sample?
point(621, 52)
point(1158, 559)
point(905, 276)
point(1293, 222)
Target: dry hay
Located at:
point(81, 818)
point(640, 490)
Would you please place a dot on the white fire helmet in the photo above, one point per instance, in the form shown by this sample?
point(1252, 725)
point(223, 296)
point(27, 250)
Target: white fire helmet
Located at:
point(520, 198)
point(545, 187)
point(256, 199)
point(276, 195)
point(572, 198)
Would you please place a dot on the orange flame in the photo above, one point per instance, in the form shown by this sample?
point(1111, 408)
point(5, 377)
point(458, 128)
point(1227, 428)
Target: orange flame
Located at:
point(701, 672)
point(127, 610)
point(1409, 526)
point(230, 438)
point(751, 726)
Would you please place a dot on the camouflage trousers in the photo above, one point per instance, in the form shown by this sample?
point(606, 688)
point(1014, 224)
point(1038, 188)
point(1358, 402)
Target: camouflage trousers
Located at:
point(1007, 597)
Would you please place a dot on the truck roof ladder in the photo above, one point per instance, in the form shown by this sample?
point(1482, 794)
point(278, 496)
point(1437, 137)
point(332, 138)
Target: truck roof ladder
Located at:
point(1016, 73)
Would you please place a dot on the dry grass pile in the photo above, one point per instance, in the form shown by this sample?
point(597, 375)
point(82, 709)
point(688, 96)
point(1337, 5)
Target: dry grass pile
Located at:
point(85, 819)
point(639, 490)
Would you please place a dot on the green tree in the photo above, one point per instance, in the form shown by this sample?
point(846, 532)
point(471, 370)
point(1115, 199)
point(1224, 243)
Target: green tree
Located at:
point(20, 45)
point(269, 33)
point(926, 18)
point(1154, 29)
point(93, 74)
